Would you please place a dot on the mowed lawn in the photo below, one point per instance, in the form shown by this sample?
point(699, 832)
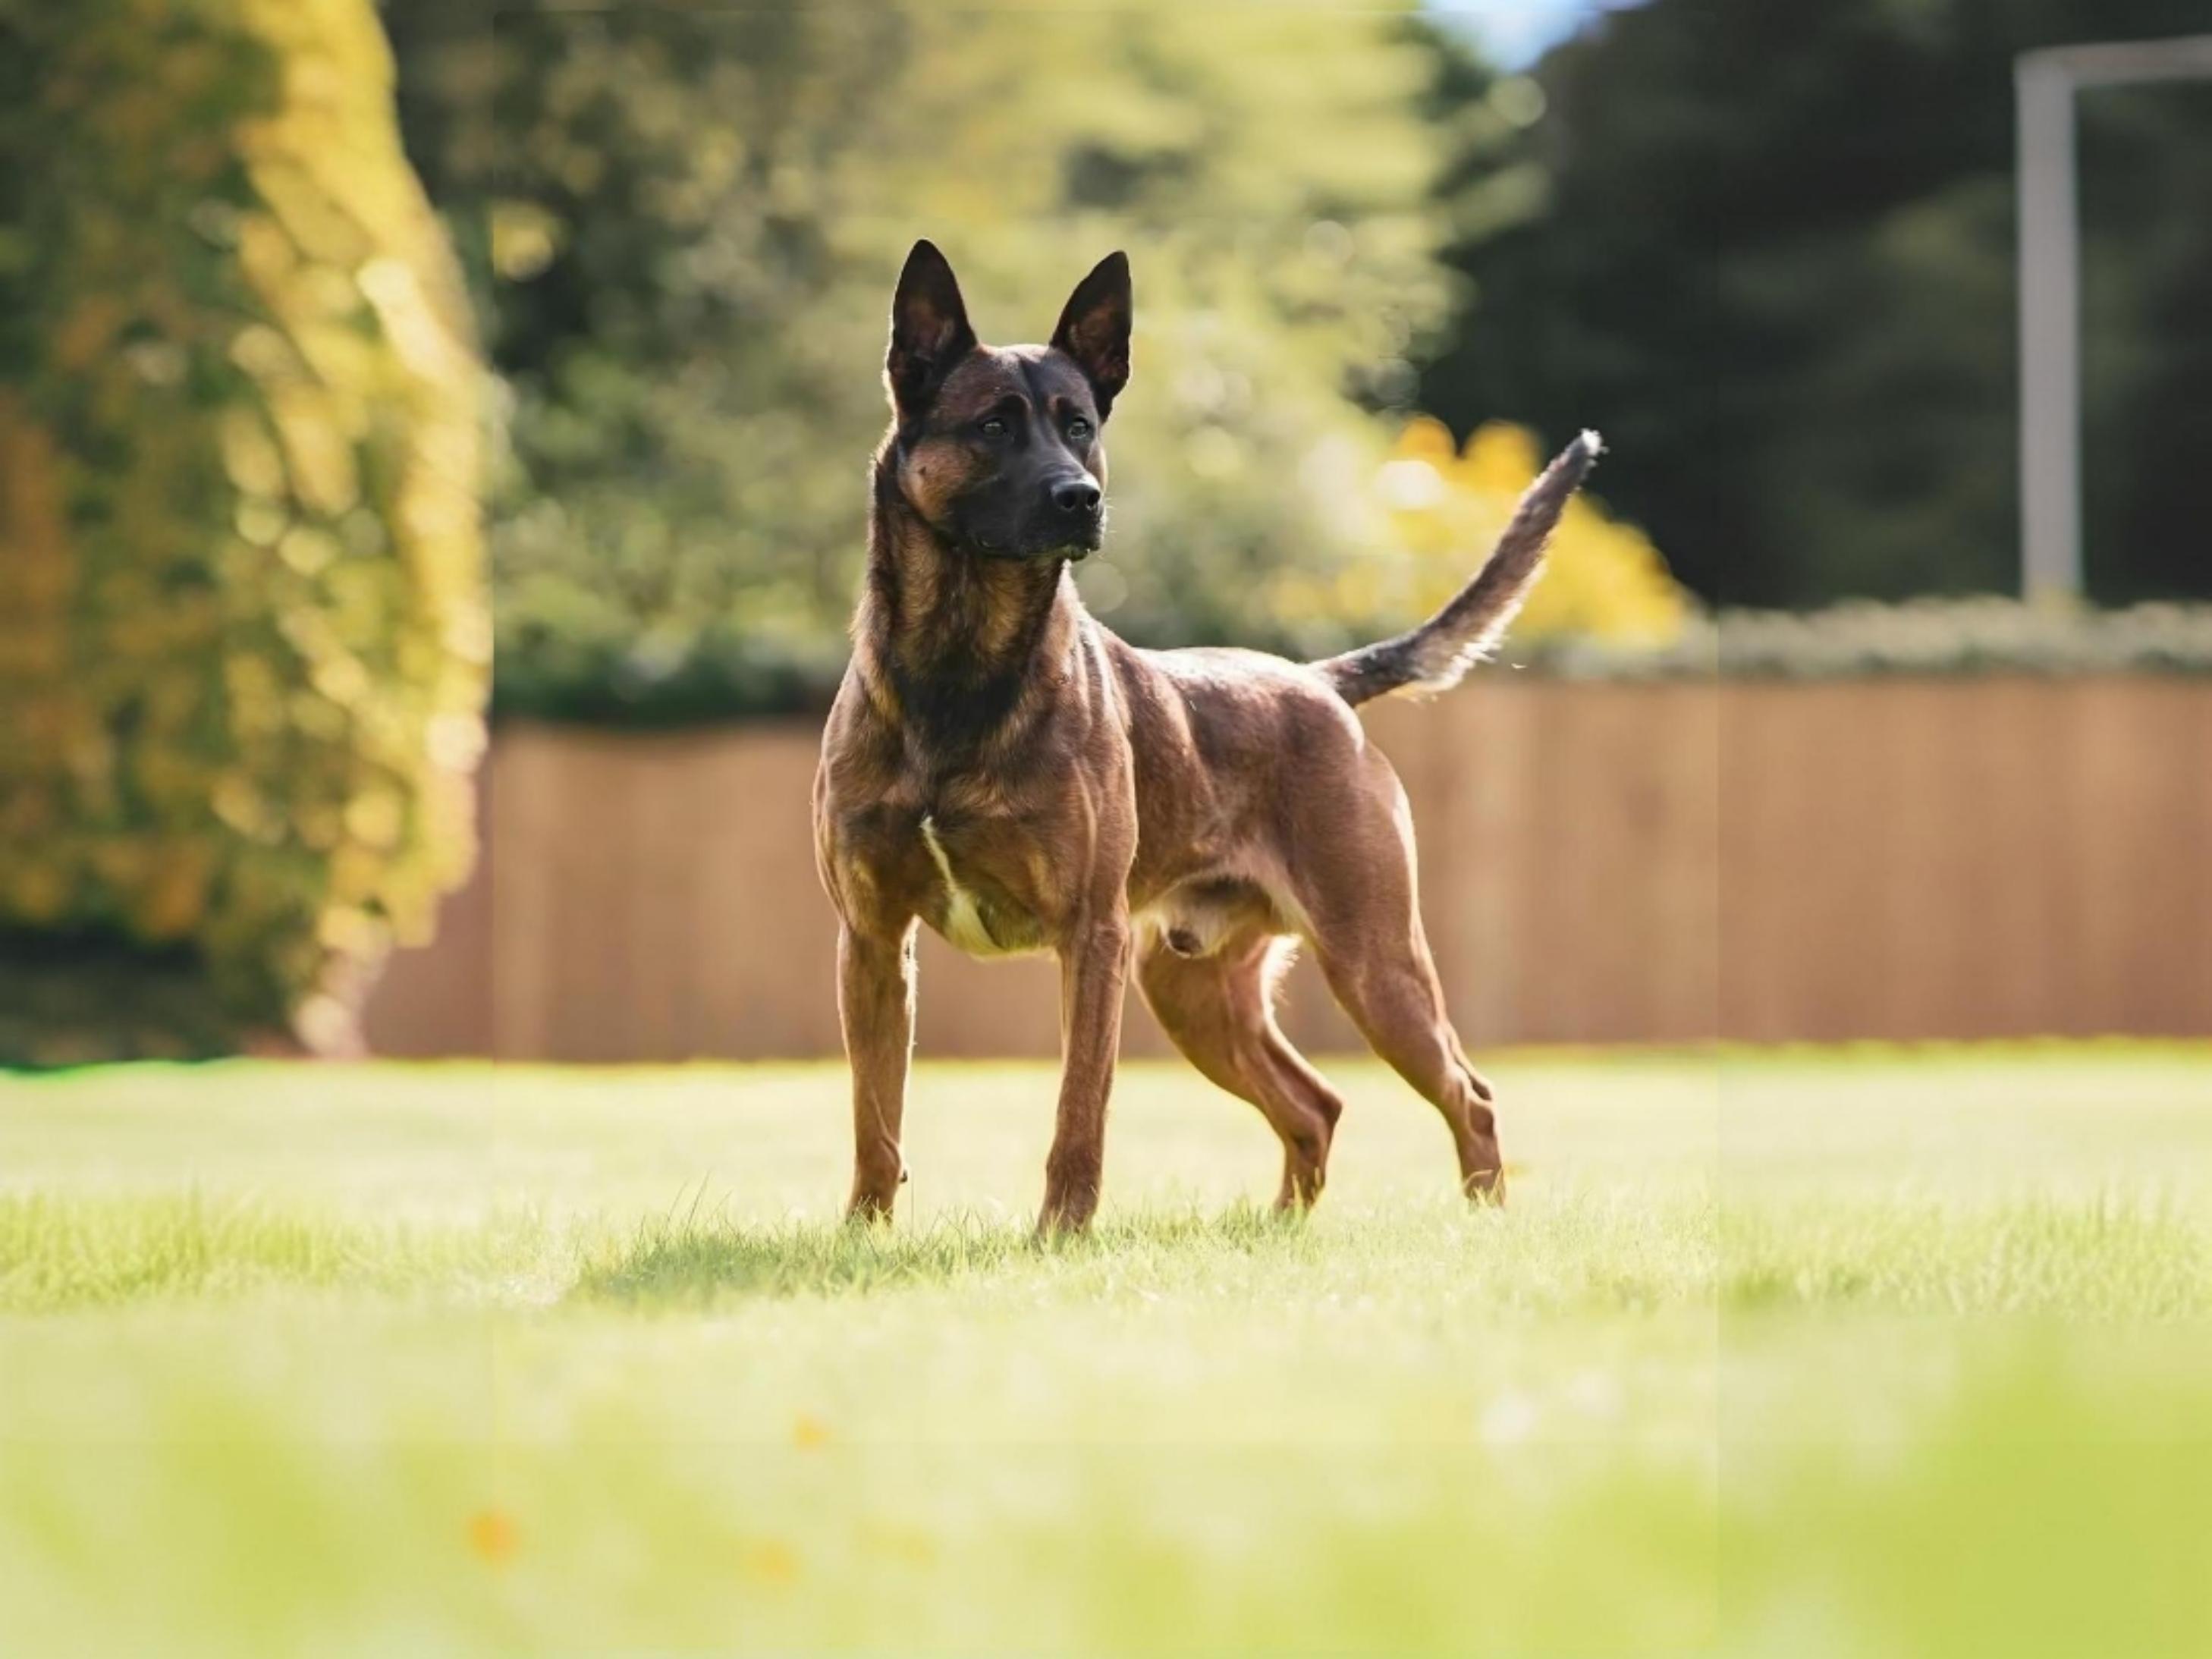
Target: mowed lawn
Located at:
point(1876, 1352)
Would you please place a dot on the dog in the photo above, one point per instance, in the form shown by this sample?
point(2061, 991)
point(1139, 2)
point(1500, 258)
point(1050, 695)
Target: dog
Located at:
point(1000, 766)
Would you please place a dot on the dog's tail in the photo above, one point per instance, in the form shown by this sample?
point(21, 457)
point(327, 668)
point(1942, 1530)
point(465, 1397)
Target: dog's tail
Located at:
point(1436, 655)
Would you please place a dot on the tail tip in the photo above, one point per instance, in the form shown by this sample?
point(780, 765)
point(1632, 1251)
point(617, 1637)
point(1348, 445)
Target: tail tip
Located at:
point(1573, 463)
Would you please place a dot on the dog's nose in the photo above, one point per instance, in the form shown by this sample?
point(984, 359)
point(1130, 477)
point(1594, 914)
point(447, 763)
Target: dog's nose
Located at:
point(1078, 497)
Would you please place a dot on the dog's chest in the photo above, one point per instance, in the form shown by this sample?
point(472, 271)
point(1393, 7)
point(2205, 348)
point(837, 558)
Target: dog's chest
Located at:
point(983, 899)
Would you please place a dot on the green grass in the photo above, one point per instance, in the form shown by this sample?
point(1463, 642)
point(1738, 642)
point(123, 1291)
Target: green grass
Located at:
point(1817, 1354)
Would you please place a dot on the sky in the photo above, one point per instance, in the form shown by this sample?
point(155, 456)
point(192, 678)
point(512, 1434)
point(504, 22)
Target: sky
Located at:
point(1516, 32)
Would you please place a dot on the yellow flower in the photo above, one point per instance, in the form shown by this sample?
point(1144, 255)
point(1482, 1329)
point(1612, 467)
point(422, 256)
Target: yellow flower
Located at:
point(1604, 579)
point(491, 1535)
point(769, 1561)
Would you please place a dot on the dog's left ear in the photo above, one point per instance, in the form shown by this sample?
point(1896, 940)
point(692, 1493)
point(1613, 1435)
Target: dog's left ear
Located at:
point(1094, 329)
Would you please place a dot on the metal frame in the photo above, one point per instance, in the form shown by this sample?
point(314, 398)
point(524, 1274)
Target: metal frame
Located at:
point(2050, 283)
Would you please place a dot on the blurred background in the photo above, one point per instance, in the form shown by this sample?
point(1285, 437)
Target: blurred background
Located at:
point(432, 450)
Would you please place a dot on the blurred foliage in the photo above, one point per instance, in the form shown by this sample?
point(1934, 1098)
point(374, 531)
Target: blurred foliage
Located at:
point(243, 640)
point(1924, 636)
point(1769, 249)
point(684, 225)
point(1793, 323)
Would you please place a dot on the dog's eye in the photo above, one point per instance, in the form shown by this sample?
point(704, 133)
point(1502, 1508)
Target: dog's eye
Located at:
point(1078, 428)
point(993, 427)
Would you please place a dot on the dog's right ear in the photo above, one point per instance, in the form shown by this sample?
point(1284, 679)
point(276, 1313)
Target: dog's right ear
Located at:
point(929, 330)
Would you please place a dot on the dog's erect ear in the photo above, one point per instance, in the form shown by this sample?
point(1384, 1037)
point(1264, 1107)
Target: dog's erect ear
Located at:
point(1094, 329)
point(929, 330)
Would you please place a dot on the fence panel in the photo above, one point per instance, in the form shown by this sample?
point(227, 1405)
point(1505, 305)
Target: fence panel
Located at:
point(1881, 858)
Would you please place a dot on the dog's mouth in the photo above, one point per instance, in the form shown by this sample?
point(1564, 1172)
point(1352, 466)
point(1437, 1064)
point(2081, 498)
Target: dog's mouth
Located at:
point(1074, 550)
point(1086, 541)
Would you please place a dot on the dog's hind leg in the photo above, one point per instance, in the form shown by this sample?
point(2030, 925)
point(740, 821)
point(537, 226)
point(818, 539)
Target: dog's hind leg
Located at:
point(1364, 924)
point(1218, 1011)
point(1391, 993)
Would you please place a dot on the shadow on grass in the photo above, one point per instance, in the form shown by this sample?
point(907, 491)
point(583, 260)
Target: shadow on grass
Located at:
point(693, 1259)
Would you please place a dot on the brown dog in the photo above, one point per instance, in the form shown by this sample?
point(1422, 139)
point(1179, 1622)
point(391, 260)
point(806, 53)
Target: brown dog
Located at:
point(1000, 766)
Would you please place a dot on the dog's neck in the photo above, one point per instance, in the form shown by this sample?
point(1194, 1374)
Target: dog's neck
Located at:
point(947, 639)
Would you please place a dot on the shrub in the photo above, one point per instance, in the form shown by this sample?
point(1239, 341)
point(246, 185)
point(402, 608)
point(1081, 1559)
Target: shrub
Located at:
point(1603, 580)
point(243, 634)
point(1926, 636)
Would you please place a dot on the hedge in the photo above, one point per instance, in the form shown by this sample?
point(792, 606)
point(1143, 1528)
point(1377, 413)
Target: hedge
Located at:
point(244, 637)
point(1930, 636)
point(728, 676)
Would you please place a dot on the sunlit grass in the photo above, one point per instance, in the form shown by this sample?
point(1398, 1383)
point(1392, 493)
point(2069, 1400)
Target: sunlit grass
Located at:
point(1813, 1353)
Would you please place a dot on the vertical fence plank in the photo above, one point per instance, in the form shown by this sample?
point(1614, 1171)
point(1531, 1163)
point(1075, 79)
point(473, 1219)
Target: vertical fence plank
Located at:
point(2169, 967)
point(765, 937)
point(528, 782)
point(1479, 835)
point(594, 912)
point(1686, 960)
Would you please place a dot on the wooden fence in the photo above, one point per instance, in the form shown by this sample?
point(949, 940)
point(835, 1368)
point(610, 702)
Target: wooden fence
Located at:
point(1895, 858)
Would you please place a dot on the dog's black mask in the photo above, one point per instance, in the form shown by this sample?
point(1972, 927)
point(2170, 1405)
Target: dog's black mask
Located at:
point(998, 448)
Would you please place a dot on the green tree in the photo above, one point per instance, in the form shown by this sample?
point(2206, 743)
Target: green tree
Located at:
point(687, 222)
point(243, 638)
point(1769, 248)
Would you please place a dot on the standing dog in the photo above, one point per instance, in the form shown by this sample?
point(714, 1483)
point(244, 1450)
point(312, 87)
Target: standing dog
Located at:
point(1001, 767)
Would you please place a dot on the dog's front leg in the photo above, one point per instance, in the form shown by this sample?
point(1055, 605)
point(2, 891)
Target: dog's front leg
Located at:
point(1094, 966)
point(875, 1005)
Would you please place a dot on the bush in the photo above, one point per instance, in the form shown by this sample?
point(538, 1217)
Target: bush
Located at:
point(1603, 580)
point(243, 634)
point(1928, 636)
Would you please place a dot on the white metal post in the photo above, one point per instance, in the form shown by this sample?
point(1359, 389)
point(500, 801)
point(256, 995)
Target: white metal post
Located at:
point(2050, 332)
point(2051, 287)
